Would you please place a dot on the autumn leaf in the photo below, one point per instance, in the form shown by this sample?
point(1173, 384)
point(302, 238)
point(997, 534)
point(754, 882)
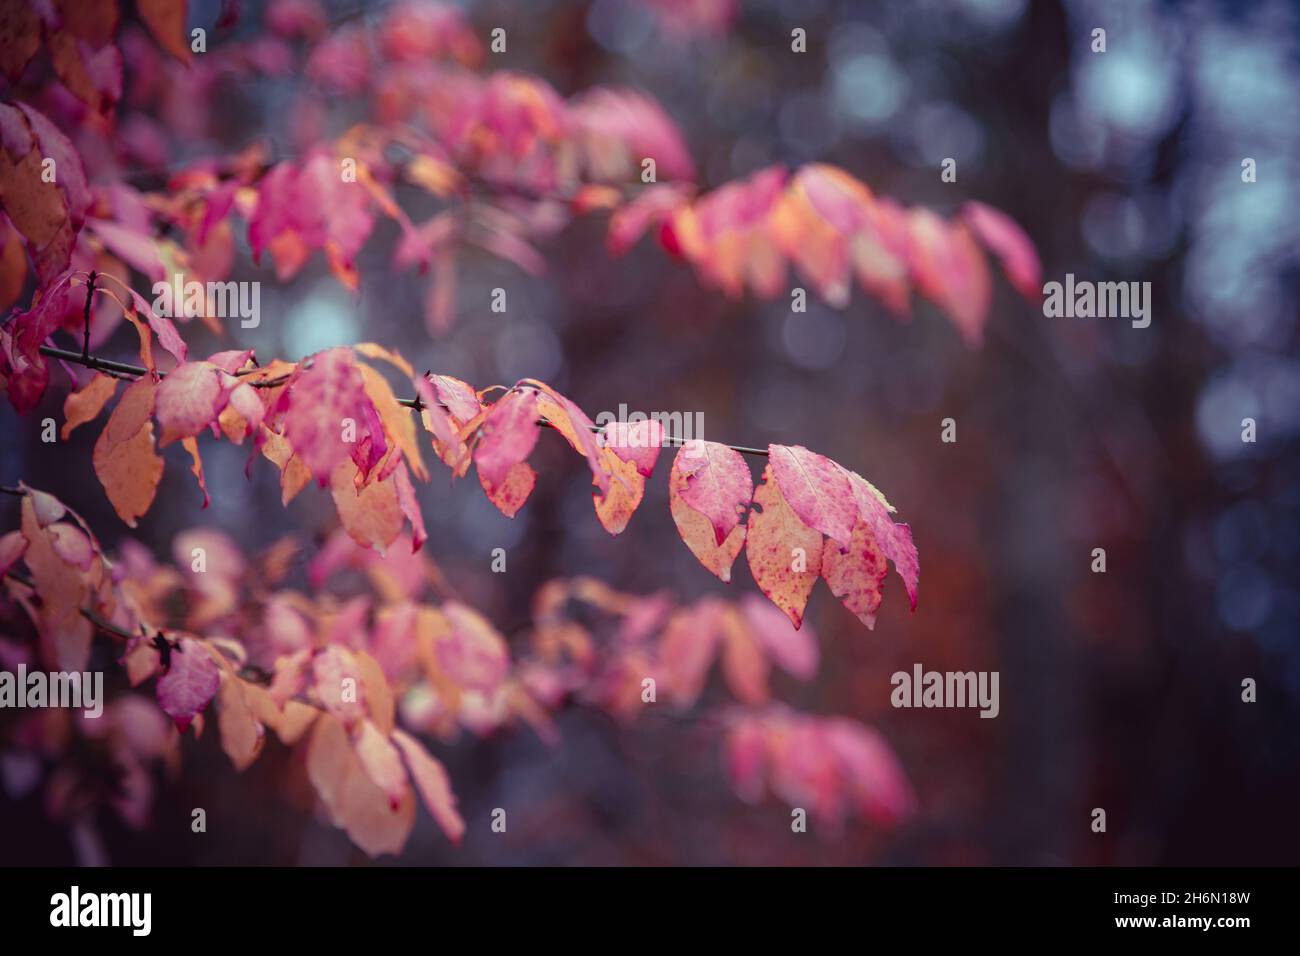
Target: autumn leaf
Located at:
point(624, 492)
point(856, 572)
point(321, 403)
point(191, 680)
point(65, 633)
point(22, 366)
point(472, 654)
point(718, 484)
point(894, 539)
point(510, 432)
point(353, 801)
point(794, 651)
point(697, 531)
point(124, 458)
point(373, 513)
point(242, 734)
point(47, 211)
point(381, 762)
point(430, 778)
point(512, 493)
point(687, 649)
point(784, 554)
point(85, 404)
point(190, 399)
point(816, 489)
point(337, 681)
point(1004, 238)
point(167, 21)
point(638, 442)
point(20, 38)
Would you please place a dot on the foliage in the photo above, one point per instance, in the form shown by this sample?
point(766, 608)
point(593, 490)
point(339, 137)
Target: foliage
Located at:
point(507, 161)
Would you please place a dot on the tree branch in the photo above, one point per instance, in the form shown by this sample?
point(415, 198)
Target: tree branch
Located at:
point(124, 368)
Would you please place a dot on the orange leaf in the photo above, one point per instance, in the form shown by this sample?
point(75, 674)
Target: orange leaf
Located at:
point(87, 402)
point(124, 458)
point(354, 803)
point(167, 21)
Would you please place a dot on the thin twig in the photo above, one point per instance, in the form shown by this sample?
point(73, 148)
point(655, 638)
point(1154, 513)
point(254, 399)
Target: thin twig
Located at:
point(85, 319)
point(124, 368)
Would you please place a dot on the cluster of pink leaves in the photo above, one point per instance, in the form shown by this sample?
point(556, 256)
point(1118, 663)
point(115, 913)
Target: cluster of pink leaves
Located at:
point(834, 767)
point(334, 418)
point(833, 230)
point(511, 159)
point(342, 677)
point(288, 672)
point(78, 37)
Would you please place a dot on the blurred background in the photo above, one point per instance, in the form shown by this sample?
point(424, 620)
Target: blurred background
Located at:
point(1119, 690)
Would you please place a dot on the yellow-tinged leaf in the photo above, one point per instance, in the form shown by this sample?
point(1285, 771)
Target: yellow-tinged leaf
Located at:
point(615, 508)
point(87, 402)
point(374, 351)
point(355, 804)
point(124, 458)
point(697, 531)
point(372, 516)
point(398, 422)
point(378, 695)
point(242, 734)
point(784, 553)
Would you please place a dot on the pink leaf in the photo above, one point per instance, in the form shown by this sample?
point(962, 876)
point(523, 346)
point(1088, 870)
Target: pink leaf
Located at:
point(719, 484)
point(12, 546)
point(474, 655)
point(816, 488)
point(320, 399)
point(381, 762)
point(637, 442)
point(188, 400)
point(431, 780)
point(794, 651)
point(893, 539)
point(784, 553)
point(1005, 239)
point(509, 434)
point(689, 644)
point(162, 327)
point(191, 681)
